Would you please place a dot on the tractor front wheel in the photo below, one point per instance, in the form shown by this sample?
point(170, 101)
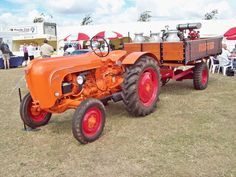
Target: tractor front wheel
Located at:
point(200, 76)
point(141, 86)
point(32, 116)
point(88, 121)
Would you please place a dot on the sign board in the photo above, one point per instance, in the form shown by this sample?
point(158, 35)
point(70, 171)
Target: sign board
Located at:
point(26, 29)
point(50, 28)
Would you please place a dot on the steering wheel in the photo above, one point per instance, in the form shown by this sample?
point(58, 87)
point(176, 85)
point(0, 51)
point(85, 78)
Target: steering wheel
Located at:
point(98, 46)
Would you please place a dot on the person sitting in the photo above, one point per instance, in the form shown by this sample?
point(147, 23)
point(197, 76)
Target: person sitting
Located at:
point(233, 52)
point(224, 57)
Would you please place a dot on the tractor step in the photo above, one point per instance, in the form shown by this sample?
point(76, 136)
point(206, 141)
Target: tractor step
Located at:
point(114, 97)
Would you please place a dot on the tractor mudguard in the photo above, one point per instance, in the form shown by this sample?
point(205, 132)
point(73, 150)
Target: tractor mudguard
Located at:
point(134, 56)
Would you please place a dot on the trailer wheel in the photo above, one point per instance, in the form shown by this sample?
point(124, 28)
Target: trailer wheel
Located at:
point(32, 117)
point(88, 121)
point(141, 86)
point(200, 76)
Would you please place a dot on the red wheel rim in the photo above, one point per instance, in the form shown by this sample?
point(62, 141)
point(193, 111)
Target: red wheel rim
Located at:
point(204, 76)
point(92, 121)
point(148, 87)
point(36, 116)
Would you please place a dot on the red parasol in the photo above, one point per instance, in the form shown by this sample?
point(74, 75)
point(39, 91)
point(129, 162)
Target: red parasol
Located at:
point(231, 37)
point(77, 37)
point(109, 35)
point(230, 32)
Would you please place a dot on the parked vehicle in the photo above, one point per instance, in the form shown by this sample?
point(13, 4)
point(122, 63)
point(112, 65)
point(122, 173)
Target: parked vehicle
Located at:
point(77, 52)
point(133, 75)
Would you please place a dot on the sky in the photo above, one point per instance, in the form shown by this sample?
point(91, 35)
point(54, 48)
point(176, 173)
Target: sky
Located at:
point(71, 12)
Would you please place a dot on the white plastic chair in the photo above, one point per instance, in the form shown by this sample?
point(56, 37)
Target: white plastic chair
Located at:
point(213, 66)
point(223, 65)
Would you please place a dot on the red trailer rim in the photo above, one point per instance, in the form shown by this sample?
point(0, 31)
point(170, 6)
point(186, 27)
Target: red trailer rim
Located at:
point(36, 116)
point(92, 121)
point(204, 76)
point(148, 87)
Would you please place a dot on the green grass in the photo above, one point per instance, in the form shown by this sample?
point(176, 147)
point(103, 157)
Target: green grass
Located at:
point(192, 133)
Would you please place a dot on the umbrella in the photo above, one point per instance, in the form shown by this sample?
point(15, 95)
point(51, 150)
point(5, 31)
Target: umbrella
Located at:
point(77, 37)
point(109, 35)
point(231, 37)
point(230, 32)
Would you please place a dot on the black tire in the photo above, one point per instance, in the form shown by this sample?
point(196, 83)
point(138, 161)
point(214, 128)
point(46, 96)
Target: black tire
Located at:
point(130, 87)
point(200, 76)
point(79, 117)
point(28, 119)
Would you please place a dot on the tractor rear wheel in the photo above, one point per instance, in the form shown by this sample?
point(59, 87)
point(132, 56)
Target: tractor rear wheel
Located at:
point(88, 121)
point(31, 116)
point(141, 86)
point(200, 76)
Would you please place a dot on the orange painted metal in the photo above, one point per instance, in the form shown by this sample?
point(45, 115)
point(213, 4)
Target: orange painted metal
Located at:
point(133, 57)
point(45, 76)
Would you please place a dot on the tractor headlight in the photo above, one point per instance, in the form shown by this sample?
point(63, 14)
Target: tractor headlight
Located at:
point(80, 79)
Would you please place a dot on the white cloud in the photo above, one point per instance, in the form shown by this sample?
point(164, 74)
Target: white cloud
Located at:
point(184, 9)
point(16, 19)
point(71, 6)
point(19, 1)
point(66, 12)
point(110, 7)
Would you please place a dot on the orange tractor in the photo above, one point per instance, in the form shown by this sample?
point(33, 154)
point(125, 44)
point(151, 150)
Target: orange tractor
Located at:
point(87, 82)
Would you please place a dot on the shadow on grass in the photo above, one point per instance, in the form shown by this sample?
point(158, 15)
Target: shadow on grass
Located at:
point(61, 123)
point(182, 87)
point(178, 88)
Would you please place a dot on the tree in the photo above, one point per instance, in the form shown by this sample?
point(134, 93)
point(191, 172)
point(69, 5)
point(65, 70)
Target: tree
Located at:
point(42, 18)
point(145, 16)
point(38, 20)
point(211, 15)
point(87, 20)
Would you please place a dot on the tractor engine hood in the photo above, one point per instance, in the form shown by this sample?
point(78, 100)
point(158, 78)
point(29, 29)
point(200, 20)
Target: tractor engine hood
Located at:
point(44, 76)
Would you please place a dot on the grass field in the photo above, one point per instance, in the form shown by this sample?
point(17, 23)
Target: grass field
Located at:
point(192, 133)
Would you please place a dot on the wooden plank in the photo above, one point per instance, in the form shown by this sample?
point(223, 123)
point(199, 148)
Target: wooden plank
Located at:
point(153, 48)
point(131, 47)
point(173, 45)
point(173, 51)
point(178, 56)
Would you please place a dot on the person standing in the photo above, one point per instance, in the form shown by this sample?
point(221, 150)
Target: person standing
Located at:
point(46, 50)
point(31, 51)
point(25, 50)
point(5, 54)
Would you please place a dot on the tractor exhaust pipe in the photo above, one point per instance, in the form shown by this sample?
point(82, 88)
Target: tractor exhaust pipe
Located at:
point(188, 26)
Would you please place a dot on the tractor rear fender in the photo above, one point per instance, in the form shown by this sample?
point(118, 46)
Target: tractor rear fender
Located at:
point(134, 56)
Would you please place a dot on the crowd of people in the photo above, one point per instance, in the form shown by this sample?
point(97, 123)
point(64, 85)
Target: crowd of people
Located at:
point(29, 51)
